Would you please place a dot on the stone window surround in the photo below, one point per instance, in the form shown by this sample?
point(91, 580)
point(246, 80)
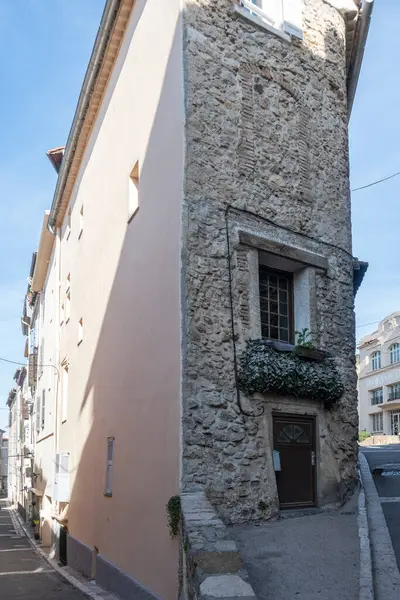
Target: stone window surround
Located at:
point(304, 265)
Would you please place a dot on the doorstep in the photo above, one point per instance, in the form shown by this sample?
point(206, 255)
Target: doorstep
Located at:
point(88, 588)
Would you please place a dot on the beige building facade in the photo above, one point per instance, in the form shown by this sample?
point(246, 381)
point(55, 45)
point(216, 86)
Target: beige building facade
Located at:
point(379, 378)
point(201, 216)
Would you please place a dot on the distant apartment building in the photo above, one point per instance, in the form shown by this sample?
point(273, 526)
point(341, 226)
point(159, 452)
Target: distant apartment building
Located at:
point(20, 446)
point(201, 217)
point(3, 462)
point(379, 378)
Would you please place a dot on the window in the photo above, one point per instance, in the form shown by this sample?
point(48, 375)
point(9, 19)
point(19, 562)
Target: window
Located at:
point(80, 331)
point(285, 15)
point(43, 418)
point(64, 407)
point(394, 392)
point(38, 414)
point(68, 299)
point(133, 191)
point(68, 225)
point(377, 396)
point(377, 423)
point(67, 307)
point(41, 357)
point(80, 222)
point(276, 304)
point(61, 477)
point(376, 360)
point(109, 469)
point(394, 354)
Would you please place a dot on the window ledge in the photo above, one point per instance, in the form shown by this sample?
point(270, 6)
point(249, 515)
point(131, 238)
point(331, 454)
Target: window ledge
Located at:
point(245, 14)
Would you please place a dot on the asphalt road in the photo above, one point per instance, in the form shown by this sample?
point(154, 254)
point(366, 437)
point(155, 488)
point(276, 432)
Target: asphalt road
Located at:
point(24, 575)
point(388, 486)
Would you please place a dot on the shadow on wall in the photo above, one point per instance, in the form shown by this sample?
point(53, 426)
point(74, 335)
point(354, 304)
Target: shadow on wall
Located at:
point(132, 386)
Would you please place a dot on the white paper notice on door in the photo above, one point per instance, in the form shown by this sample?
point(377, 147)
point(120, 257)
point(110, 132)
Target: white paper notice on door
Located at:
point(277, 460)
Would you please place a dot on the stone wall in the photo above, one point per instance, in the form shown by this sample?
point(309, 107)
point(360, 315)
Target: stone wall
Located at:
point(266, 152)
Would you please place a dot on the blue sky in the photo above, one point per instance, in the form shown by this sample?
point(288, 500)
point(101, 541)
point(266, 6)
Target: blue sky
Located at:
point(45, 49)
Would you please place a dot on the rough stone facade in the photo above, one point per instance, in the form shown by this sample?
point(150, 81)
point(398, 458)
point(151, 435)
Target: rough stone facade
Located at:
point(266, 157)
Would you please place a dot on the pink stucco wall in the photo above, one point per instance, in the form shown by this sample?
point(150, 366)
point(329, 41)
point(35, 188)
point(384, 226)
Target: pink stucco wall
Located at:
point(124, 378)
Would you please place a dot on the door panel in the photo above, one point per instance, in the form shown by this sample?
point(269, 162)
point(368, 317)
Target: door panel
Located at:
point(294, 439)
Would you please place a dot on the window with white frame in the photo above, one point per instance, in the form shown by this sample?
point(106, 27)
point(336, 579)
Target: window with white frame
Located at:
point(68, 299)
point(133, 200)
point(377, 396)
point(80, 222)
point(109, 467)
point(80, 331)
point(394, 353)
point(43, 417)
point(377, 423)
point(64, 407)
point(284, 15)
point(394, 392)
point(37, 414)
point(376, 360)
point(68, 225)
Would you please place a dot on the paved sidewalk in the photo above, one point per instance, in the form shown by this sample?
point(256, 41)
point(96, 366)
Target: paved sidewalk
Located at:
point(314, 557)
point(24, 575)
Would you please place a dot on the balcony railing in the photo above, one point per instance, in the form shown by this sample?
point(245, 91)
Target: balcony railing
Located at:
point(394, 395)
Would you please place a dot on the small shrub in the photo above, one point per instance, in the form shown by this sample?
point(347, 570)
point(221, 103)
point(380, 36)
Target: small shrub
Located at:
point(174, 515)
point(363, 435)
point(262, 506)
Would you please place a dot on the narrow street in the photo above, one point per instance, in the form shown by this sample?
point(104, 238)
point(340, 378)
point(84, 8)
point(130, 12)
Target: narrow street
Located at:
point(23, 573)
point(388, 486)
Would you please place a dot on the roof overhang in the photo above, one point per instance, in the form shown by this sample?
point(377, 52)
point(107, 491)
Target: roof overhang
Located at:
point(43, 256)
point(55, 157)
point(359, 269)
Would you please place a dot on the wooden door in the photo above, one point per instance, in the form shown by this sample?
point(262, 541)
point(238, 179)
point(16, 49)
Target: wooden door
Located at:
point(294, 439)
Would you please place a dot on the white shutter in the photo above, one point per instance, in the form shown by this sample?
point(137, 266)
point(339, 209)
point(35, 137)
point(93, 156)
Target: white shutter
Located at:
point(61, 490)
point(293, 17)
point(38, 414)
point(109, 467)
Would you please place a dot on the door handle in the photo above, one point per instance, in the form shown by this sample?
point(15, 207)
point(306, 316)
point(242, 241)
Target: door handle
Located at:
point(313, 458)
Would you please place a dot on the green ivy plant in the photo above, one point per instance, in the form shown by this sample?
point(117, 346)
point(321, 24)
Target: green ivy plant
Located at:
point(266, 370)
point(174, 515)
point(304, 339)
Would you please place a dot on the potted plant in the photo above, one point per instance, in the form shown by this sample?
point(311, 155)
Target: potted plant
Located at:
point(304, 346)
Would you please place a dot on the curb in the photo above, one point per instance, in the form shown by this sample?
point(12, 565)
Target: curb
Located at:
point(84, 588)
point(386, 576)
point(366, 579)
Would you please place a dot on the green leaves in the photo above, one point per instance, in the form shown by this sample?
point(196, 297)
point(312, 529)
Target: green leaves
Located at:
point(266, 370)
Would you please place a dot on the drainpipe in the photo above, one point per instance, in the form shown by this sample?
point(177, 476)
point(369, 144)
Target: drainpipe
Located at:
point(100, 45)
point(361, 40)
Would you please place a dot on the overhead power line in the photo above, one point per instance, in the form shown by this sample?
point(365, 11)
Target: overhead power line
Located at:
point(363, 187)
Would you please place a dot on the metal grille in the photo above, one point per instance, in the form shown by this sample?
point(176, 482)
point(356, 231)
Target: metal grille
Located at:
point(275, 304)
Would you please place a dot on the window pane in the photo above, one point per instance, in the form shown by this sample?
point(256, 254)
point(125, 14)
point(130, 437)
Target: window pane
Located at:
point(274, 320)
point(274, 333)
point(273, 293)
point(284, 335)
point(283, 283)
point(273, 280)
point(283, 321)
point(273, 307)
